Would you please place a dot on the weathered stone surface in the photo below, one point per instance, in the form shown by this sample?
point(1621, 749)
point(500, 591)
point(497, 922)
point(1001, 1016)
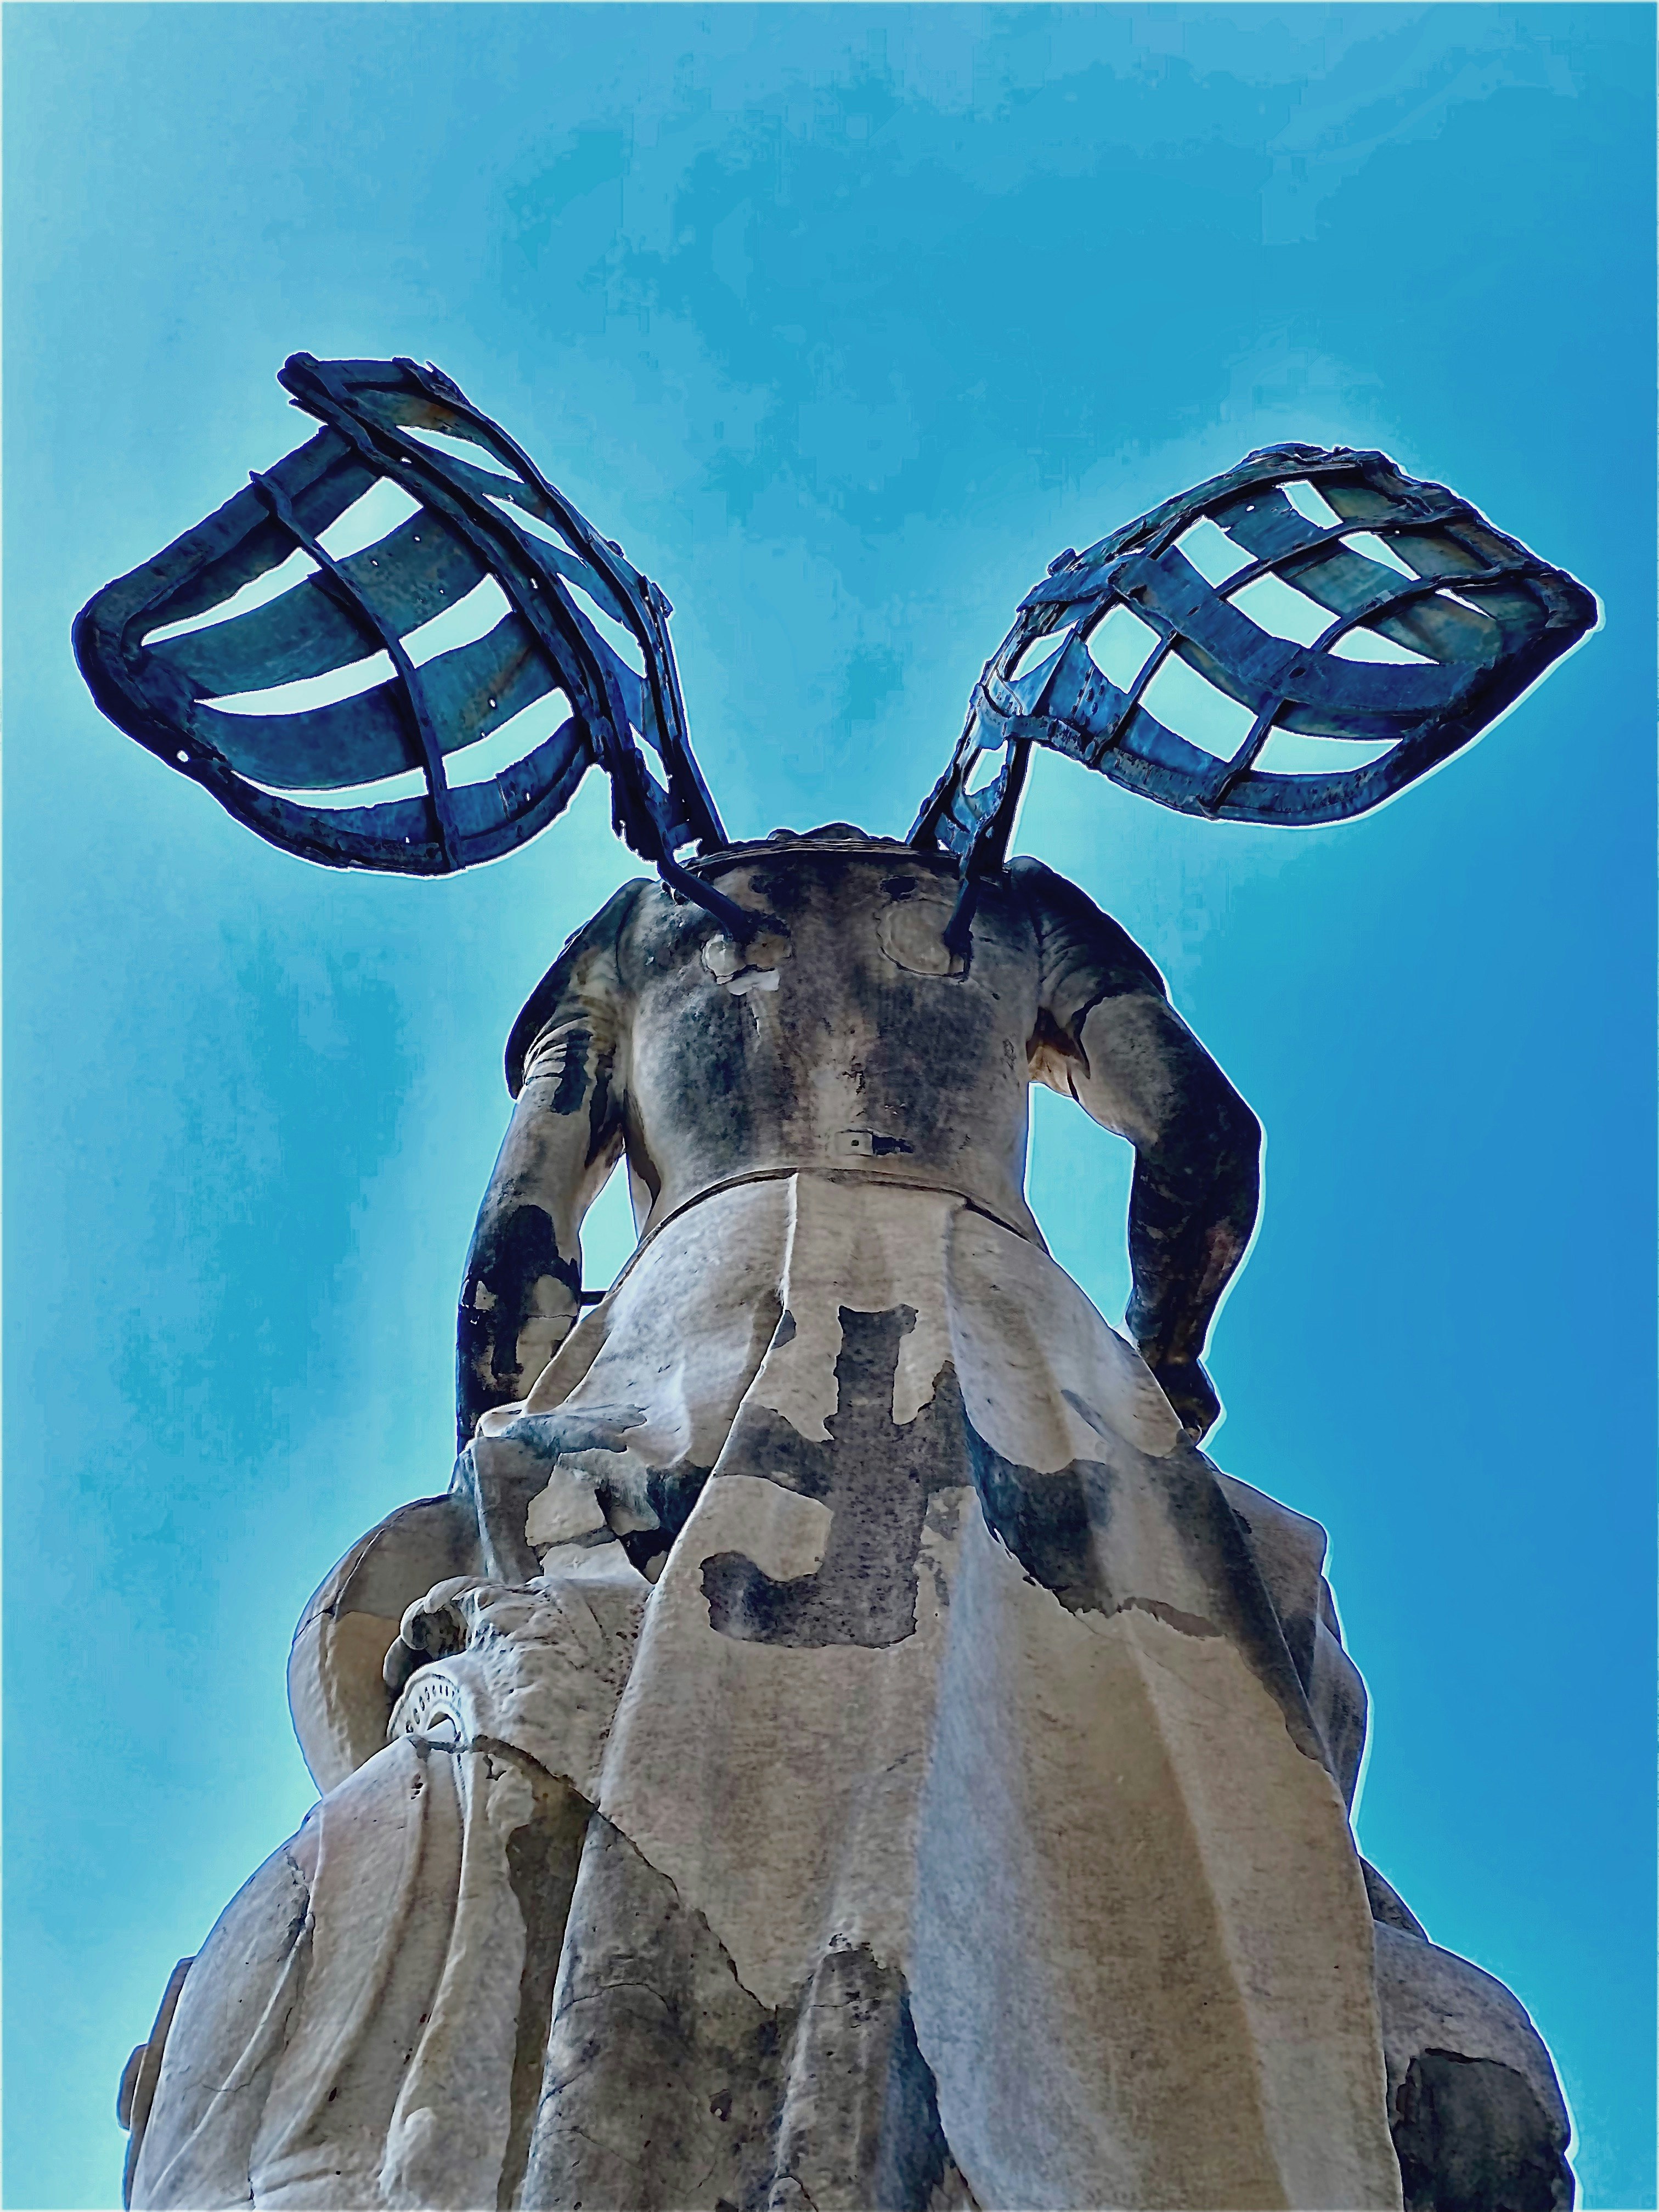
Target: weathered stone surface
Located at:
point(1478, 2116)
point(850, 1749)
point(336, 1691)
point(668, 2083)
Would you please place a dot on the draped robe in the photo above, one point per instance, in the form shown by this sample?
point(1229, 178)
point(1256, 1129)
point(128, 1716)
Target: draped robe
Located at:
point(857, 1752)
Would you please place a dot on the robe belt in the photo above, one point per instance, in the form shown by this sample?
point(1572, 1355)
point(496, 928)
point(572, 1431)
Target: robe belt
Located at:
point(787, 1175)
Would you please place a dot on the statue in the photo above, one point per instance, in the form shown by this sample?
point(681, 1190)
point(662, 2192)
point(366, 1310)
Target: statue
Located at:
point(838, 1741)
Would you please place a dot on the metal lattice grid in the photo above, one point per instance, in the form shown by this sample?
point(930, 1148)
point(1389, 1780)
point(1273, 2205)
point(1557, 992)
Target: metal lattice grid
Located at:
point(1309, 603)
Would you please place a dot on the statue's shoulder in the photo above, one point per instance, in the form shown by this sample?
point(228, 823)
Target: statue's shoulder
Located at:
point(593, 946)
point(1070, 926)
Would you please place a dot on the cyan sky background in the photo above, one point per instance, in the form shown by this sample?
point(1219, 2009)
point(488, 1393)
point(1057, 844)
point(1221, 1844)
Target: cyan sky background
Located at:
point(844, 320)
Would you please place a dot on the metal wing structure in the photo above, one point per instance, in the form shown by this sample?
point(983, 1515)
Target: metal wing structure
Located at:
point(1294, 641)
point(463, 601)
point(401, 648)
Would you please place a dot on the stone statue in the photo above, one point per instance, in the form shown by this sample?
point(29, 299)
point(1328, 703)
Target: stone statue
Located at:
point(838, 1742)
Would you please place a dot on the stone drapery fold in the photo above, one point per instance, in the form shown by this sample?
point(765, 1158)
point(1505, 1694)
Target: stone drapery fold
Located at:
point(912, 1732)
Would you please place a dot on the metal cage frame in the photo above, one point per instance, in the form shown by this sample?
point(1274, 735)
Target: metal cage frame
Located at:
point(507, 523)
point(1469, 618)
point(1482, 615)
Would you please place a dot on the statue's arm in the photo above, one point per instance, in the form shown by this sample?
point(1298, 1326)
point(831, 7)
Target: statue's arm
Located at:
point(1108, 1037)
point(521, 1292)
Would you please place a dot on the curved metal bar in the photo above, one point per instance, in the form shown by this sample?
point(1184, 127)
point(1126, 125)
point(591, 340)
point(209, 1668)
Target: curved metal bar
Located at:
point(536, 590)
point(1474, 667)
point(645, 605)
point(334, 580)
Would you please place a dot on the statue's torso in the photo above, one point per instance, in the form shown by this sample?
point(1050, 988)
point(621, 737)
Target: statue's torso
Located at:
point(848, 1039)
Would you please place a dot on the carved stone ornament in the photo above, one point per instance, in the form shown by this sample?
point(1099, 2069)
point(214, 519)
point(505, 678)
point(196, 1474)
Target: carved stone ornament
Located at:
point(839, 1744)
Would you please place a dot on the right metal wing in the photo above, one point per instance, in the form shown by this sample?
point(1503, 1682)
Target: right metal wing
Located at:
point(1307, 594)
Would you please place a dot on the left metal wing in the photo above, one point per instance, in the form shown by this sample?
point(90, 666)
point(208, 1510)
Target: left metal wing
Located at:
point(1294, 641)
point(481, 596)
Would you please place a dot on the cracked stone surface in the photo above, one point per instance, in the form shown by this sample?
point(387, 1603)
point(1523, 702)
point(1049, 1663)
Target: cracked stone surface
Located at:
point(839, 1744)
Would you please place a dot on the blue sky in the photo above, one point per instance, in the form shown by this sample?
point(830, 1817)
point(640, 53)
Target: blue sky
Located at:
point(844, 320)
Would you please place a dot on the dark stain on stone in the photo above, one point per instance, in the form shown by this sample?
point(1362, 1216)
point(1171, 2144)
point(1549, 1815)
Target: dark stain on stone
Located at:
point(703, 1065)
point(572, 1086)
point(650, 2026)
point(542, 1858)
point(1050, 1522)
point(667, 2085)
point(1471, 2135)
point(601, 1119)
point(875, 1476)
point(777, 886)
point(709, 1066)
point(1189, 1624)
point(511, 1253)
point(860, 2123)
point(668, 1495)
point(639, 1162)
point(1059, 1528)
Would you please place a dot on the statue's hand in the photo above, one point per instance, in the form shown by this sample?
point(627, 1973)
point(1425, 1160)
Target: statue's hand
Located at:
point(1191, 1393)
point(433, 1627)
